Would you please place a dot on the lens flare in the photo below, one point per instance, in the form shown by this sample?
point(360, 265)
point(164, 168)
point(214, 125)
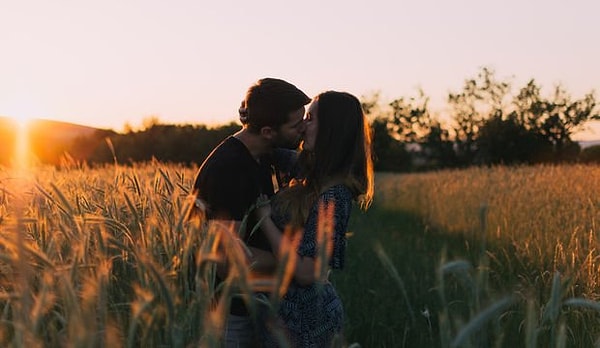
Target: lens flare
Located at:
point(22, 151)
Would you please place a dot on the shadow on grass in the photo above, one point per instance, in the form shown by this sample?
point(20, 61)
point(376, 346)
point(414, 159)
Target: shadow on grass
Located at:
point(378, 315)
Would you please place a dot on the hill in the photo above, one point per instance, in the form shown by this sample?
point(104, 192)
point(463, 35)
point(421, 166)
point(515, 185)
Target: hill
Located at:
point(48, 140)
point(50, 129)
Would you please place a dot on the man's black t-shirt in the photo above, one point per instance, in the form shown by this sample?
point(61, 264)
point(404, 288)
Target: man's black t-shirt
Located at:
point(229, 182)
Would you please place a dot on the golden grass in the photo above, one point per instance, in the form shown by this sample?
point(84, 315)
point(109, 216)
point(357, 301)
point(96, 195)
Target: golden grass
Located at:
point(100, 256)
point(106, 256)
point(544, 215)
point(110, 257)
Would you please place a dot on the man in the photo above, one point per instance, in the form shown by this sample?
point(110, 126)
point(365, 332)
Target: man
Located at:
point(240, 169)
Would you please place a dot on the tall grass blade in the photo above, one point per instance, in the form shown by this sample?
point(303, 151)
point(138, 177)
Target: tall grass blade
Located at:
point(389, 266)
point(582, 303)
point(531, 325)
point(481, 319)
point(552, 309)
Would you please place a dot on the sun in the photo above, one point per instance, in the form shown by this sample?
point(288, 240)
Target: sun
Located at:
point(22, 121)
point(21, 112)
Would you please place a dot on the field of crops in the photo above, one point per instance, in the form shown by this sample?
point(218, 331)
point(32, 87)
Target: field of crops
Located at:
point(480, 257)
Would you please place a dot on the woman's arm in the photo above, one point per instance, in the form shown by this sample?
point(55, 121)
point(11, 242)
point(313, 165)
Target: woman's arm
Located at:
point(304, 273)
point(259, 261)
point(337, 198)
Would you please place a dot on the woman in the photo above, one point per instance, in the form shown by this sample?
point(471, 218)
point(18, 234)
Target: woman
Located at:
point(337, 170)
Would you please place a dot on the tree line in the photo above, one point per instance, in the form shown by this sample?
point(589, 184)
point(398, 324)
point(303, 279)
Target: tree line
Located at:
point(488, 123)
point(184, 144)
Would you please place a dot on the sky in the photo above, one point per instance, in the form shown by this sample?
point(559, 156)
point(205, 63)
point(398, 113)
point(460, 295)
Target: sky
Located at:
point(111, 62)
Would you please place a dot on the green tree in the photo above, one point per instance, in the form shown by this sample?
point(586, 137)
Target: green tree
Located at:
point(411, 120)
point(590, 154)
point(555, 118)
point(493, 126)
point(481, 98)
point(413, 123)
point(506, 141)
point(389, 153)
point(438, 148)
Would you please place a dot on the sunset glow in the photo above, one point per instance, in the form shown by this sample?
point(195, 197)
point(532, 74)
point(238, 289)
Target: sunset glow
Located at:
point(22, 151)
point(22, 122)
point(22, 110)
point(108, 63)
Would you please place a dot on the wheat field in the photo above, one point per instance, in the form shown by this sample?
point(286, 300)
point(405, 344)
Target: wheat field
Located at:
point(101, 257)
point(476, 257)
point(543, 215)
point(512, 253)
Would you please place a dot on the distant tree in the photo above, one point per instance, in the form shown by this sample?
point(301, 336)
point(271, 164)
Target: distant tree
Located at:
point(555, 119)
point(389, 153)
point(413, 123)
point(505, 141)
point(186, 144)
point(481, 98)
point(150, 121)
point(371, 105)
point(492, 126)
point(438, 148)
point(590, 154)
point(410, 119)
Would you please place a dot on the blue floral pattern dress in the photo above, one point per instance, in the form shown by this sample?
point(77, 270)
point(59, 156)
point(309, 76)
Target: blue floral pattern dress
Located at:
point(312, 315)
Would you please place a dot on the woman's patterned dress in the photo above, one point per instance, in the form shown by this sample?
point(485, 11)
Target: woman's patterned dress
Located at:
point(311, 316)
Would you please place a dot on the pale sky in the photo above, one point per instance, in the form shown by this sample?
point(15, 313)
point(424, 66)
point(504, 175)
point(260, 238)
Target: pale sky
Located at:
point(105, 63)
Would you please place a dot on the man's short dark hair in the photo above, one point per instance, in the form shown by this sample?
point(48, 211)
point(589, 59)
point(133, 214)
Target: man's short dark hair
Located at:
point(268, 103)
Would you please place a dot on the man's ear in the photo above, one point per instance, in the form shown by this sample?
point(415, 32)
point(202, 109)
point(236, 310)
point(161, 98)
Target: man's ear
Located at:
point(267, 132)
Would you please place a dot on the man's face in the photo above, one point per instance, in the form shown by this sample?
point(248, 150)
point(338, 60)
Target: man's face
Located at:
point(289, 135)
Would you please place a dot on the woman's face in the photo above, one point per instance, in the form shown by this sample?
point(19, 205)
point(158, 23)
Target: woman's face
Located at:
point(311, 126)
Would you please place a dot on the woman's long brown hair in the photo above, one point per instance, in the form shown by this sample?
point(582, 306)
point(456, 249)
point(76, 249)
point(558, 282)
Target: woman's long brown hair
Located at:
point(342, 154)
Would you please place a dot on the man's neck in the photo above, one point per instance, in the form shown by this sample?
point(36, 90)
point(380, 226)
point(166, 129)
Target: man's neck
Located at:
point(256, 145)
